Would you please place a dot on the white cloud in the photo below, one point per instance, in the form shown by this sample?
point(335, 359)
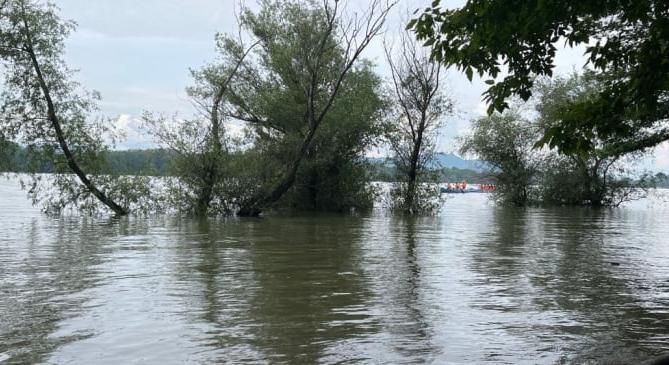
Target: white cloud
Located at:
point(133, 135)
point(662, 157)
point(122, 122)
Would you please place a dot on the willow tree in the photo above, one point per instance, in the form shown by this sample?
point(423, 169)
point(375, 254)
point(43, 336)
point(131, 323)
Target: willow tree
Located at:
point(335, 176)
point(306, 53)
point(43, 109)
point(201, 148)
point(412, 130)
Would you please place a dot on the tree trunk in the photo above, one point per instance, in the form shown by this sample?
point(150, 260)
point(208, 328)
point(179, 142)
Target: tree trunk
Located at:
point(213, 154)
point(594, 192)
point(413, 163)
point(412, 174)
point(206, 192)
point(55, 123)
point(211, 158)
point(254, 207)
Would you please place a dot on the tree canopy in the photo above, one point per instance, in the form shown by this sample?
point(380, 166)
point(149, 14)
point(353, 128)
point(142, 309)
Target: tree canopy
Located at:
point(626, 42)
point(306, 93)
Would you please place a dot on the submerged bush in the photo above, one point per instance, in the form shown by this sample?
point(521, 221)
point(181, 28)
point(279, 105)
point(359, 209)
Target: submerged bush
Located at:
point(426, 200)
point(505, 142)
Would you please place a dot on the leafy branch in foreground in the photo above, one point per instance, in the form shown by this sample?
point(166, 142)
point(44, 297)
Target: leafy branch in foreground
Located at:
point(627, 45)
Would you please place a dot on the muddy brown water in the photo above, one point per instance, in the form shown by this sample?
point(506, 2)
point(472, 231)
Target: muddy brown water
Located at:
point(477, 284)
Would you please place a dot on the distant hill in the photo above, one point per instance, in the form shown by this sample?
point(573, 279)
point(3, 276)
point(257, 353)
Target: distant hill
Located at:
point(442, 161)
point(449, 160)
point(450, 168)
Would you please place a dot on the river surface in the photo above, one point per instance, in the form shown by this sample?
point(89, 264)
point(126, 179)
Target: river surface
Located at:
point(476, 284)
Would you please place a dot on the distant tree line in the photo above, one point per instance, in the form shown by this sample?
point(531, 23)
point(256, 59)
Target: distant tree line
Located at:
point(159, 162)
point(388, 173)
point(145, 162)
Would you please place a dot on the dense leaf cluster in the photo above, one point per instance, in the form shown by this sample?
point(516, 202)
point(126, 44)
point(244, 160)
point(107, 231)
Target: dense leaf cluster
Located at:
point(514, 41)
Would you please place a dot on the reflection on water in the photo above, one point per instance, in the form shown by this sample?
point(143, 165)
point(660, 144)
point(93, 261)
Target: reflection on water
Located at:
point(477, 284)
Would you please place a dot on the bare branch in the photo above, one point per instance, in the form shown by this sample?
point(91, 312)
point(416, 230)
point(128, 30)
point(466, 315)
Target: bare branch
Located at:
point(416, 84)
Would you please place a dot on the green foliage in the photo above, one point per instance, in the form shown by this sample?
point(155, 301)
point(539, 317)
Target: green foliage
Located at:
point(62, 193)
point(311, 108)
point(335, 175)
point(24, 110)
point(193, 189)
point(421, 198)
point(312, 112)
point(43, 110)
point(595, 177)
point(268, 93)
point(591, 172)
point(661, 180)
point(505, 142)
point(8, 152)
point(627, 47)
point(148, 162)
point(332, 185)
point(563, 181)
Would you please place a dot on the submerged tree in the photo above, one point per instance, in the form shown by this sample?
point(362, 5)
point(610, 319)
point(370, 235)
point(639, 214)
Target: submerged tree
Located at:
point(42, 108)
point(626, 41)
point(505, 141)
point(527, 174)
point(335, 174)
point(412, 129)
point(202, 165)
point(305, 58)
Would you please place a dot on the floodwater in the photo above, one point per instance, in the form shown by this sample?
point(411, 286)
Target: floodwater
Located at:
point(476, 284)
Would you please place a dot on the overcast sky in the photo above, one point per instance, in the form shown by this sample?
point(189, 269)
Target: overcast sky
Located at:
point(137, 54)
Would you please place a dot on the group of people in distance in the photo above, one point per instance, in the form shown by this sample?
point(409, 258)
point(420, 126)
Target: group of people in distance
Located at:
point(457, 186)
point(487, 187)
point(463, 185)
